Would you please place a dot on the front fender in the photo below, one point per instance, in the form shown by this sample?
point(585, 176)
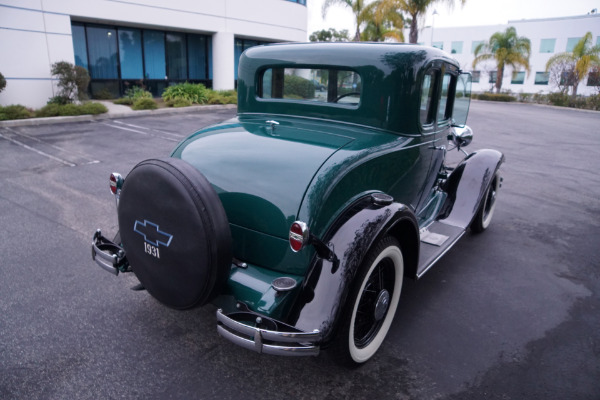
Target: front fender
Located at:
point(328, 283)
point(467, 185)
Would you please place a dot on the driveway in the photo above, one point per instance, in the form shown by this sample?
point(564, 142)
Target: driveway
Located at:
point(512, 313)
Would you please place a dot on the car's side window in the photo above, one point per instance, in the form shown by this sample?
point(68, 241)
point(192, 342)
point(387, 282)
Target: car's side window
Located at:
point(444, 111)
point(427, 98)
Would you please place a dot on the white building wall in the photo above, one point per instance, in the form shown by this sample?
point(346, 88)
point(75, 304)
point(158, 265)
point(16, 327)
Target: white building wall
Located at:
point(36, 33)
point(560, 29)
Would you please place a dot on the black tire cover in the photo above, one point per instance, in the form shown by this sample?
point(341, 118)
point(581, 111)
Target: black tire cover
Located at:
point(175, 232)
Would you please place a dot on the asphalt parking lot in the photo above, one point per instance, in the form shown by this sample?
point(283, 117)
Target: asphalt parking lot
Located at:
point(513, 313)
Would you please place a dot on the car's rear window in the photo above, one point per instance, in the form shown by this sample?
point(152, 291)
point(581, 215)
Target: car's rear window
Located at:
point(313, 85)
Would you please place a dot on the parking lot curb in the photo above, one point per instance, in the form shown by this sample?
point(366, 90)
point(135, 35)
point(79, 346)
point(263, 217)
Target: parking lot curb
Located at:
point(117, 114)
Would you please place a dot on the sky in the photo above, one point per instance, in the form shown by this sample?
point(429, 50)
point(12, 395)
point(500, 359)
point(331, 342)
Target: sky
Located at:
point(473, 13)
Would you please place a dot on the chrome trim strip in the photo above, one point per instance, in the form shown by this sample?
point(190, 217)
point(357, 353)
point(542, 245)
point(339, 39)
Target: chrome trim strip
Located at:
point(304, 341)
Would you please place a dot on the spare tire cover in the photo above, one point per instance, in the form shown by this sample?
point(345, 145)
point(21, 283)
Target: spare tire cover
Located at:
point(175, 232)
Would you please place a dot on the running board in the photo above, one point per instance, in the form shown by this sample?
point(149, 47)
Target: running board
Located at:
point(436, 240)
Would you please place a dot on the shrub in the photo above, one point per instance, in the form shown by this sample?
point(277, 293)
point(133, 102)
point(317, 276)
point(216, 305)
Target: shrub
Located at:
point(222, 97)
point(196, 93)
point(59, 100)
point(144, 104)
point(496, 97)
point(73, 80)
point(137, 92)
point(14, 111)
point(124, 101)
point(2, 82)
point(179, 102)
point(593, 102)
point(558, 99)
point(55, 110)
point(298, 86)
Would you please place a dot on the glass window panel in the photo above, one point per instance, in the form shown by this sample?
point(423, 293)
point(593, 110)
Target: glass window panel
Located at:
point(493, 76)
point(427, 98)
point(312, 85)
point(518, 77)
point(438, 45)
point(457, 47)
point(102, 49)
point(476, 75)
point(176, 56)
point(571, 42)
point(547, 45)
point(210, 62)
point(474, 45)
point(238, 50)
point(594, 77)
point(443, 113)
point(130, 53)
point(542, 78)
point(197, 56)
point(79, 45)
point(154, 55)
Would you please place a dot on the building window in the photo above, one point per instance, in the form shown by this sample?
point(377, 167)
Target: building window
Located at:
point(457, 47)
point(542, 78)
point(475, 76)
point(518, 77)
point(493, 75)
point(240, 46)
point(594, 77)
point(547, 45)
point(118, 58)
point(130, 54)
point(303, 2)
point(474, 45)
point(79, 47)
point(571, 42)
point(154, 55)
point(438, 45)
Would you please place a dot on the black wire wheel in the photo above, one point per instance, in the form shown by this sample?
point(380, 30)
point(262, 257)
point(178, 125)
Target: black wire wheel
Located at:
point(372, 304)
point(488, 205)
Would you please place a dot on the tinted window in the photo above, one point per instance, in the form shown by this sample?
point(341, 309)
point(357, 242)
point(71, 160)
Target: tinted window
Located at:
point(427, 98)
point(308, 84)
point(443, 111)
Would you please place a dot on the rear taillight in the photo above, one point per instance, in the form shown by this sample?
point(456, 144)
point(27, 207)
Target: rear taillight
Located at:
point(116, 182)
point(298, 235)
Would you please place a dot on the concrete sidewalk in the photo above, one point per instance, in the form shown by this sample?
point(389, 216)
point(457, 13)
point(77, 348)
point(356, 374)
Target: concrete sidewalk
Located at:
point(114, 111)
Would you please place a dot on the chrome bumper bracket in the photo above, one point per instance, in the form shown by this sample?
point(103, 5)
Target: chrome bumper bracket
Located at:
point(268, 341)
point(108, 255)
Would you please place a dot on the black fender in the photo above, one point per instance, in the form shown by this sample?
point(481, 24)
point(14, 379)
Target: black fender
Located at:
point(467, 185)
point(329, 280)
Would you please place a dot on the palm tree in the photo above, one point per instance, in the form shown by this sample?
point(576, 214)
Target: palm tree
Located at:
point(383, 21)
point(416, 9)
point(581, 60)
point(357, 7)
point(506, 48)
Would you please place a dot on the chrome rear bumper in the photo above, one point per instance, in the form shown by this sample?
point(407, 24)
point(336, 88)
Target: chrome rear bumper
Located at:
point(268, 341)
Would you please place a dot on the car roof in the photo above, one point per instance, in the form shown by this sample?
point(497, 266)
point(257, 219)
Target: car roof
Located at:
point(389, 72)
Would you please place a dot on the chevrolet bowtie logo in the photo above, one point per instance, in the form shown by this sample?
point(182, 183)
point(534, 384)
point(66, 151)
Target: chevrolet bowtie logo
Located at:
point(152, 234)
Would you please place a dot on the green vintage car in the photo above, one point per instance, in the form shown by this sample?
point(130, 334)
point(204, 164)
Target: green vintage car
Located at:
point(301, 217)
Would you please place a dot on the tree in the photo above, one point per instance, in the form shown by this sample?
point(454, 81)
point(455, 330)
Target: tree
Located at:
point(575, 65)
point(330, 35)
point(2, 82)
point(73, 80)
point(416, 9)
point(383, 21)
point(357, 7)
point(505, 48)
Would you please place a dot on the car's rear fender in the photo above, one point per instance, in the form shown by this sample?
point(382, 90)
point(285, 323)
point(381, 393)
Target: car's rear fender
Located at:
point(328, 282)
point(467, 185)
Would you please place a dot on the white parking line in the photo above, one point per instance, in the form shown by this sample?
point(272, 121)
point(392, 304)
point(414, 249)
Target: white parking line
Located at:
point(60, 160)
point(150, 129)
point(113, 125)
point(80, 154)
